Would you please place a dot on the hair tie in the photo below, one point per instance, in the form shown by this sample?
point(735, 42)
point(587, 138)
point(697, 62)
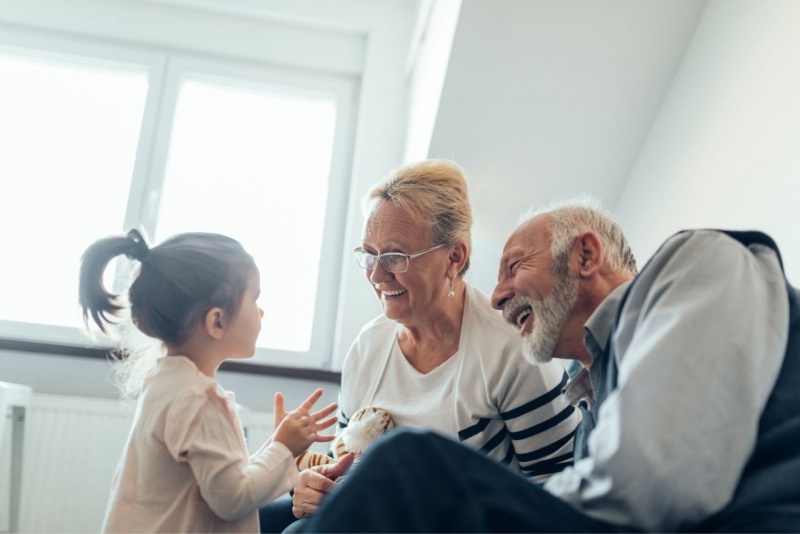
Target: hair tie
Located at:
point(140, 249)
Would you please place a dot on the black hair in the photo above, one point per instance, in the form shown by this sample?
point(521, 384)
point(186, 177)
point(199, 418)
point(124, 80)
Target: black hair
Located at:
point(178, 282)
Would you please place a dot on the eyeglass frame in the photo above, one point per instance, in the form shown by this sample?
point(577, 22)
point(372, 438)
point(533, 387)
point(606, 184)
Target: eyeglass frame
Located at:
point(377, 257)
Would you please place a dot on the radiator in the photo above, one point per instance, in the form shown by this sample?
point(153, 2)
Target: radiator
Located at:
point(71, 449)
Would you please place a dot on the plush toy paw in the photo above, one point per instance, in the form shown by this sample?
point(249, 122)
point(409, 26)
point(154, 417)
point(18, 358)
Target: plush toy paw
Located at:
point(364, 427)
point(310, 458)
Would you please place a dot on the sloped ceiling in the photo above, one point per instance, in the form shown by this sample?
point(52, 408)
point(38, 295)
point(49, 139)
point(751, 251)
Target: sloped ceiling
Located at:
point(548, 99)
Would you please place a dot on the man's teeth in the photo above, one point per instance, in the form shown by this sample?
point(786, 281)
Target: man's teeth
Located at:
point(522, 316)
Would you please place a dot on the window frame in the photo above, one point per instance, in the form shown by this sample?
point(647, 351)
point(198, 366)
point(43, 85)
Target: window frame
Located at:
point(166, 67)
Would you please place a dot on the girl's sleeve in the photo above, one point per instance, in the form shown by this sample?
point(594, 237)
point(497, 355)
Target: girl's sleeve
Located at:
point(204, 431)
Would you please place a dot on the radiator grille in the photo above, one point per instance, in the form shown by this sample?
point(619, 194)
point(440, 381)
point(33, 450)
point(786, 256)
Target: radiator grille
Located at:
point(72, 446)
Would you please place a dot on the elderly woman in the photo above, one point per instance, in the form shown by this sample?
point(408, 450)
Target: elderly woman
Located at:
point(439, 356)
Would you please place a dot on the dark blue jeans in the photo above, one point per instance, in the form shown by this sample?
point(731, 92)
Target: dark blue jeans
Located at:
point(419, 481)
point(277, 515)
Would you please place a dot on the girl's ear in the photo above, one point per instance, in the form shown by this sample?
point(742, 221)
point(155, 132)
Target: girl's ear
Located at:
point(215, 323)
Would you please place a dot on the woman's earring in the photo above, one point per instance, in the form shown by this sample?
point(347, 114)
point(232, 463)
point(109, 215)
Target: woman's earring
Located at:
point(451, 293)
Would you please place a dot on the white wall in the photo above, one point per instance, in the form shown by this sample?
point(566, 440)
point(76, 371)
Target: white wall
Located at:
point(544, 100)
point(428, 61)
point(724, 150)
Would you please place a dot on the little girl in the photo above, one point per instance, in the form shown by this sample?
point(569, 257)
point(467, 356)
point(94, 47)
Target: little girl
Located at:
point(185, 467)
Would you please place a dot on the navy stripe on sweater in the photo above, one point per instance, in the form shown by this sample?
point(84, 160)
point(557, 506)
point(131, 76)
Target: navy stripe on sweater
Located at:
point(495, 440)
point(549, 466)
point(510, 453)
point(546, 450)
point(473, 430)
point(538, 402)
point(544, 425)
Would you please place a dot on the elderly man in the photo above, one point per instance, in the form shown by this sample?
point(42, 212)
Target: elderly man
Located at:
point(689, 384)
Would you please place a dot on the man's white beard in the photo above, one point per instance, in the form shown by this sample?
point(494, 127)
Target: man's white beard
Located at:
point(549, 316)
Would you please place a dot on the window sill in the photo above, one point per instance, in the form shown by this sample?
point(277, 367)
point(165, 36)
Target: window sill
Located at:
point(82, 351)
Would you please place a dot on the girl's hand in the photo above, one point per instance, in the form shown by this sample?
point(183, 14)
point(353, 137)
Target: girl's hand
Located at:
point(300, 428)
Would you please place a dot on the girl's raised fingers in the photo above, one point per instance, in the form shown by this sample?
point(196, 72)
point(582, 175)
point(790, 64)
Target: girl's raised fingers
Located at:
point(326, 411)
point(321, 438)
point(314, 397)
point(326, 423)
point(279, 411)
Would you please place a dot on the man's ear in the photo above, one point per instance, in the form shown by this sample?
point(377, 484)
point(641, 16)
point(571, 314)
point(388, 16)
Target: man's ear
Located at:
point(215, 322)
point(589, 252)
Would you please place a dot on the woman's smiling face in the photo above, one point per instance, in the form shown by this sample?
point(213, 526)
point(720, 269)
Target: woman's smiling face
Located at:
point(413, 297)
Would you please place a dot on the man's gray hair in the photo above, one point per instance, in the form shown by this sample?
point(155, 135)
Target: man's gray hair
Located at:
point(571, 217)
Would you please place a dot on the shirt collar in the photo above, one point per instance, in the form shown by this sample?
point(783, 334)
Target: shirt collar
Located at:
point(598, 327)
point(579, 389)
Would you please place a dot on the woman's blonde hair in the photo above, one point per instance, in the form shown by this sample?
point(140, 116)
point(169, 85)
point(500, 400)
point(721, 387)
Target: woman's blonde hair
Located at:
point(434, 194)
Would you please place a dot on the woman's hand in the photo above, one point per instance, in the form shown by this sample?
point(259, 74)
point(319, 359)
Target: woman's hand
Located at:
point(315, 483)
point(300, 428)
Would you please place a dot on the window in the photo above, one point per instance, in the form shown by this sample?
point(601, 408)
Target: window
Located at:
point(96, 140)
point(68, 134)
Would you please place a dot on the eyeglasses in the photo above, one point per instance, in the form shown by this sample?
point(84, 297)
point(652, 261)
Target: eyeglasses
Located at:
point(392, 262)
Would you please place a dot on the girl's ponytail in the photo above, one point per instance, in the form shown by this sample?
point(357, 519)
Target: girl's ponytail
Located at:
point(95, 300)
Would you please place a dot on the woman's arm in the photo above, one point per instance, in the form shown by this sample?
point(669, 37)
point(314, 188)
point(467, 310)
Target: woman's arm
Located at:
point(540, 421)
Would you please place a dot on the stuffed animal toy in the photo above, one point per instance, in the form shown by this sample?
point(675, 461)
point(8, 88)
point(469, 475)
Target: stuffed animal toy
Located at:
point(366, 425)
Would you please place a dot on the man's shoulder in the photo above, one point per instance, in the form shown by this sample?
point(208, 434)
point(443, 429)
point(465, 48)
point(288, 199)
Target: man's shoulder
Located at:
point(701, 236)
point(724, 245)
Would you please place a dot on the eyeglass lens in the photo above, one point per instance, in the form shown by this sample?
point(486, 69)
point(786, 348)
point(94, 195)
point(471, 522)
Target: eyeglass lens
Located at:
point(391, 261)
